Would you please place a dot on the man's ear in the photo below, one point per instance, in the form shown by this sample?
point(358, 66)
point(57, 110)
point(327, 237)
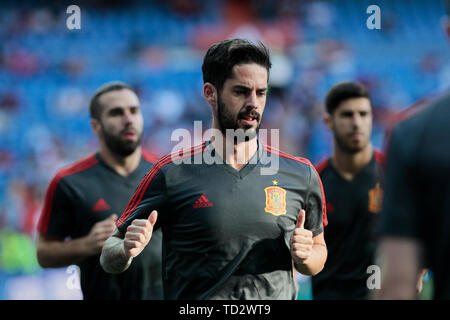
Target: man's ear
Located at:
point(210, 94)
point(327, 120)
point(95, 125)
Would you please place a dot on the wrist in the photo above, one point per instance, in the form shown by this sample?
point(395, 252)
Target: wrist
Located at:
point(84, 246)
point(303, 267)
point(125, 254)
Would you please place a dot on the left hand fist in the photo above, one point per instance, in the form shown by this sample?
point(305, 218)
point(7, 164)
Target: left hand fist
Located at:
point(301, 241)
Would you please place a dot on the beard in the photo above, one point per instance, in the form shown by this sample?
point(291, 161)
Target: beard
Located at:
point(119, 147)
point(228, 121)
point(348, 147)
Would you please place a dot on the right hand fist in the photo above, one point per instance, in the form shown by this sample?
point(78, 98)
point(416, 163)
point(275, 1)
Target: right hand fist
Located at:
point(101, 231)
point(301, 241)
point(139, 234)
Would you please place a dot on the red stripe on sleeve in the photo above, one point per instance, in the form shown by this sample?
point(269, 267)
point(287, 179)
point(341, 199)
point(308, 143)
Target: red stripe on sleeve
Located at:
point(80, 165)
point(148, 156)
point(136, 193)
point(48, 202)
point(324, 206)
point(132, 204)
point(137, 197)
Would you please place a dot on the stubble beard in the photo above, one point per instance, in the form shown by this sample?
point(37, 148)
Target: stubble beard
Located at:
point(228, 122)
point(347, 147)
point(119, 147)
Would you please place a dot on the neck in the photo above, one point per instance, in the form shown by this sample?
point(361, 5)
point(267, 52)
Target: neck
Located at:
point(235, 155)
point(349, 164)
point(122, 165)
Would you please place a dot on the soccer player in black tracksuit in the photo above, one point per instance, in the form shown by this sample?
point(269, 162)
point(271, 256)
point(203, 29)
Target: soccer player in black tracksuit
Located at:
point(353, 180)
point(83, 200)
point(415, 221)
point(414, 224)
point(230, 230)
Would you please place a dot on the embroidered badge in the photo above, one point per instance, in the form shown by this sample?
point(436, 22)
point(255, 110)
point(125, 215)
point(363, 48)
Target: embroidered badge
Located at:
point(375, 199)
point(275, 200)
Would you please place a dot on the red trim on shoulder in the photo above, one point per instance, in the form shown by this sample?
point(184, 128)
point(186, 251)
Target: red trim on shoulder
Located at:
point(380, 157)
point(148, 156)
point(78, 166)
point(137, 197)
point(307, 162)
point(405, 114)
point(286, 155)
point(324, 202)
point(322, 165)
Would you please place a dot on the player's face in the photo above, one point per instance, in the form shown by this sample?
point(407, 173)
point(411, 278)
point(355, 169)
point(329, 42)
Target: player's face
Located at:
point(121, 121)
point(242, 99)
point(351, 124)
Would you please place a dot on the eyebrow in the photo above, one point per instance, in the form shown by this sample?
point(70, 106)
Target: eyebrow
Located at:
point(242, 87)
point(122, 107)
point(116, 108)
point(348, 112)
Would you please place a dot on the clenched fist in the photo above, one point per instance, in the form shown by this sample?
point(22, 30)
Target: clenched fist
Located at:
point(139, 234)
point(98, 234)
point(301, 241)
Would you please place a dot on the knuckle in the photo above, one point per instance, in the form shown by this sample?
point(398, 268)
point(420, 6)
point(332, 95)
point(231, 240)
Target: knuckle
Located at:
point(128, 236)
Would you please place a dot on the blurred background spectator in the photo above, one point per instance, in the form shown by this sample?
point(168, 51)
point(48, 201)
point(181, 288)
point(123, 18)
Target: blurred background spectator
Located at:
point(48, 73)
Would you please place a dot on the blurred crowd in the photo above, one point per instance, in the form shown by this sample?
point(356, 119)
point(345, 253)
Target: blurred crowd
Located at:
point(48, 73)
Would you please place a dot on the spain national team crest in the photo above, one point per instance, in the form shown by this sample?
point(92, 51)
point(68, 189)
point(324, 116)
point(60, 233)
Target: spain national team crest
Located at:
point(275, 200)
point(375, 199)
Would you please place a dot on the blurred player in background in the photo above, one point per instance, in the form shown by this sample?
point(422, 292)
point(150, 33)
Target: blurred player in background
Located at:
point(415, 221)
point(229, 231)
point(83, 200)
point(353, 180)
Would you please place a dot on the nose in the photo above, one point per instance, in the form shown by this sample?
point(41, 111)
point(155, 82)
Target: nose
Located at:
point(128, 117)
point(357, 120)
point(252, 101)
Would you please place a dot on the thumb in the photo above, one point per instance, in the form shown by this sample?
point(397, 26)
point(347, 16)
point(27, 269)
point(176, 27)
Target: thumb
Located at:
point(113, 217)
point(152, 217)
point(301, 219)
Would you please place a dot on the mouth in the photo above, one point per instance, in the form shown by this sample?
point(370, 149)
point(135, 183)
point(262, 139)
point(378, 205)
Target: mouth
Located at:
point(249, 119)
point(129, 134)
point(355, 136)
